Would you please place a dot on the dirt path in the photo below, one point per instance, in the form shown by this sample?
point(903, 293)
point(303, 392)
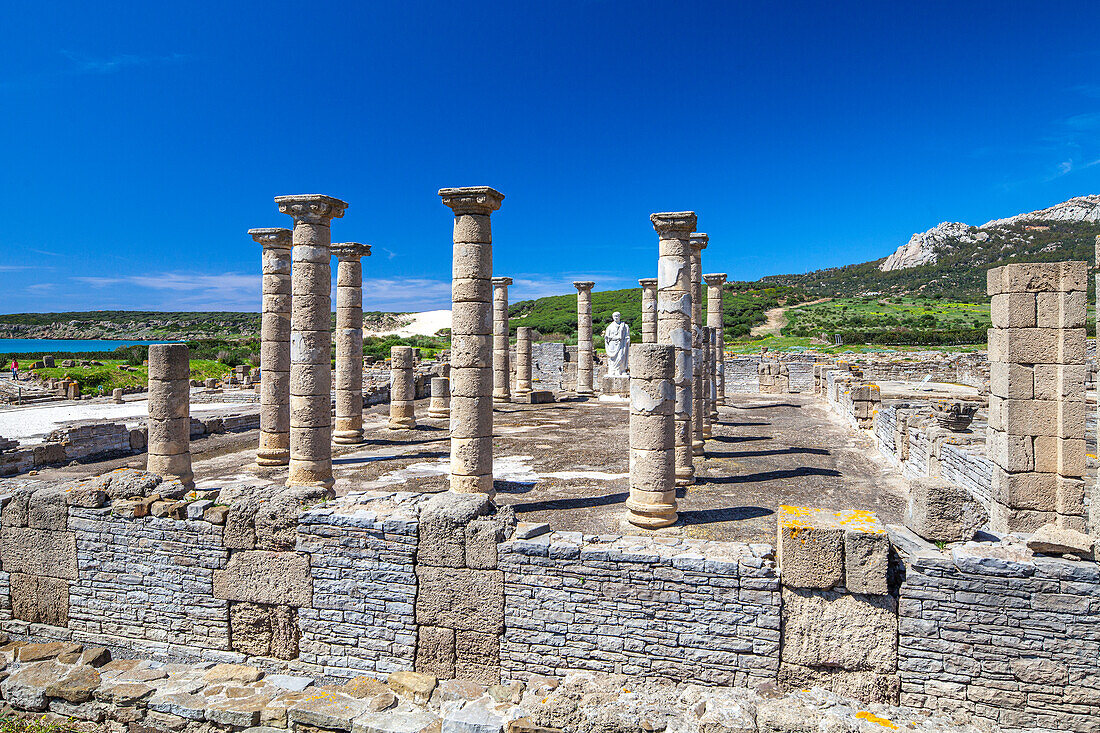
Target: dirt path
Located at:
point(777, 319)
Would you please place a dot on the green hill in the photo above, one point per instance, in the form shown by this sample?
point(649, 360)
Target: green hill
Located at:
point(555, 317)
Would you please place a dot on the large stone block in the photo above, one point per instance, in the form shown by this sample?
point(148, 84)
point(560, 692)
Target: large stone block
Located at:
point(477, 657)
point(810, 548)
point(942, 512)
point(47, 509)
point(867, 559)
point(435, 651)
point(443, 522)
point(461, 598)
point(264, 576)
point(1037, 345)
point(828, 628)
point(1027, 490)
point(1037, 277)
point(38, 552)
point(270, 631)
point(1013, 310)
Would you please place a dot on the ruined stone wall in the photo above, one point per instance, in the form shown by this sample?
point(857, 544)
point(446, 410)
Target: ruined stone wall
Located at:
point(677, 609)
point(742, 375)
point(361, 562)
point(146, 583)
point(1009, 639)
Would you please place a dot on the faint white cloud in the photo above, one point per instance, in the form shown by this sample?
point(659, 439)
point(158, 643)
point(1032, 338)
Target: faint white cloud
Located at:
point(405, 294)
point(92, 65)
point(41, 288)
point(390, 254)
point(228, 291)
point(530, 286)
point(16, 268)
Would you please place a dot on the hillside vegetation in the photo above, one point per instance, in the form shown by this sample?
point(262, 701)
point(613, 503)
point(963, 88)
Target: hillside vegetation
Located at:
point(555, 317)
point(958, 274)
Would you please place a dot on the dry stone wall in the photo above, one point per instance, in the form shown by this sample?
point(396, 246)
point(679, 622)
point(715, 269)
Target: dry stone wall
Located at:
point(676, 609)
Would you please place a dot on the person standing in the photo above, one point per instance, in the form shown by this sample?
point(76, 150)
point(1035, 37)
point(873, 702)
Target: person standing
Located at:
point(14, 370)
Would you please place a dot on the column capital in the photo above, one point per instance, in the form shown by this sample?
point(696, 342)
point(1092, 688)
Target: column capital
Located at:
point(505, 281)
point(699, 240)
point(584, 285)
point(311, 208)
point(677, 223)
point(350, 250)
point(648, 282)
point(715, 279)
point(271, 237)
point(472, 199)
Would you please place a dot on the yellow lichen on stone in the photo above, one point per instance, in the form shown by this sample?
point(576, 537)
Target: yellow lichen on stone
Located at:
point(872, 718)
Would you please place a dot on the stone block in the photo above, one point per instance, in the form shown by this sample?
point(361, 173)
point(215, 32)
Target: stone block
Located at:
point(1064, 456)
point(415, 686)
point(1061, 310)
point(1028, 490)
point(48, 509)
point(38, 552)
point(264, 576)
point(1037, 345)
point(942, 512)
point(482, 536)
point(1052, 540)
point(1011, 381)
point(477, 657)
point(1011, 452)
point(867, 560)
point(1037, 277)
point(461, 598)
point(810, 548)
point(1060, 381)
point(1013, 310)
point(435, 651)
point(828, 628)
point(443, 522)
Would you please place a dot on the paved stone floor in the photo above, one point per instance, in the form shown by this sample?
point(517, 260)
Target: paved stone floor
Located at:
point(567, 464)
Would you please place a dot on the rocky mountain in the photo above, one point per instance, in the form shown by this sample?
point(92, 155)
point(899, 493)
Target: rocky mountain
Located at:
point(927, 247)
point(949, 261)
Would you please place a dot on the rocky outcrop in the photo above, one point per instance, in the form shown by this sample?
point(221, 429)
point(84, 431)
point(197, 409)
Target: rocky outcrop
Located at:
point(926, 247)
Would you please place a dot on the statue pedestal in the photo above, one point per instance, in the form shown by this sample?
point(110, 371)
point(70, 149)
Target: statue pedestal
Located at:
point(615, 389)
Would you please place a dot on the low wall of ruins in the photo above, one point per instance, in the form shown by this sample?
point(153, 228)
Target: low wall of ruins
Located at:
point(341, 588)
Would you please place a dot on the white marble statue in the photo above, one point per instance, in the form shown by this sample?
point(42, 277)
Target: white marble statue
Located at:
point(616, 340)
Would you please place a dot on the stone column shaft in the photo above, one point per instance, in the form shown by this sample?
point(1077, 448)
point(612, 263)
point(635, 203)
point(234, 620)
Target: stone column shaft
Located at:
point(649, 310)
point(472, 338)
point(502, 372)
point(699, 416)
point(402, 389)
point(585, 349)
point(674, 323)
point(349, 342)
point(523, 361)
point(706, 378)
point(274, 449)
point(440, 404)
point(169, 444)
point(652, 501)
point(715, 286)
point(311, 338)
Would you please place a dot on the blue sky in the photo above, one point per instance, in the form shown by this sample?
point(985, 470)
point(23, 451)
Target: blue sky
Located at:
point(141, 141)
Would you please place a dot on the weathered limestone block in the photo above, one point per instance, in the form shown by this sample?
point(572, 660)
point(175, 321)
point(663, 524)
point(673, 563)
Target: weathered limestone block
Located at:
point(444, 519)
point(261, 576)
point(477, 656)
point(440, 405)
point(47, 508)
point(40, 599)
point(810, 548)
point(1053, 540)
point(943, 512)
point(38, 552)
point(833, 629)
point(264, 630)
point(26, 688)
point(435, 651)
point(867, 559)
point(461, 598)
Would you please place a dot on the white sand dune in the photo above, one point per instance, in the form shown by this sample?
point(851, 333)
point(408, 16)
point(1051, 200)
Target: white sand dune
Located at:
point(418, 324)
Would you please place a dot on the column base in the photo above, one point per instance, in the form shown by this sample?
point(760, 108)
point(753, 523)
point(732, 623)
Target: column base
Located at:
point(439, 414)
point(401, 423)
point(348, 437)
point(273, 458)
point(585, 393)
point(502, 399)
point(652, 521)
point(697, 448)
point(523, 392)
point(685, 477)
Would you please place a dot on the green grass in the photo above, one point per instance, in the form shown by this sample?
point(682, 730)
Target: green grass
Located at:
point(34, 725)
point(93, 379)
point(893, 321)
point(805, 343)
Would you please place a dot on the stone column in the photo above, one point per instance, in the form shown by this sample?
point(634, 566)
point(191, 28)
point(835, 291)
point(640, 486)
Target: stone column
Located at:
point(674, 323)
point(652, 501)
point(311, 337)
point(471, 339)
point(349, 342)
point(274, 348)
point(1037, 395)
point(169, 447)
point(712, 370)
point(440, 404)
point(585, 350)
point(402, 389)
point(705, 376)
point(523, 361)
point(699, 416)
point(649, 310)
point(502, 371)
point(715, 284)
